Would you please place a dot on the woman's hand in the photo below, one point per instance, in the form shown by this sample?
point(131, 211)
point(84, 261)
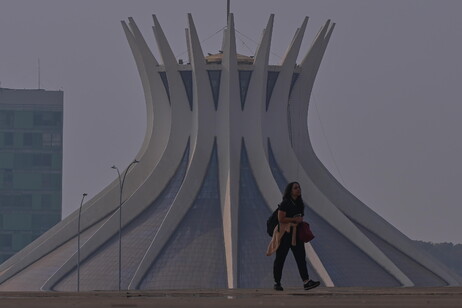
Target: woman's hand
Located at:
point(298, 219)
point(282, 218)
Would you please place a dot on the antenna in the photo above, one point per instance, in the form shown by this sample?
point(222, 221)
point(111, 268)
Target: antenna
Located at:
point(38, 62)
point(227, 10)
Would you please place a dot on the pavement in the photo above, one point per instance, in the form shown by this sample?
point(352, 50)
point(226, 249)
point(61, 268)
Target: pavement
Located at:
point(319, 297)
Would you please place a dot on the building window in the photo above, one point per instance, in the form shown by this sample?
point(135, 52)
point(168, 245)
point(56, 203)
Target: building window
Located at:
point(41, 160)
point(5, 201)
point(56, 140)
point(47, 118)
point(32, 139)
point(23, 201)
point(14, 201)
point(51, 181)
point(22, 160)
point(51, 140)
point(7, 178)
point(46, 140)
point(44, 222)
point(46, 202)
point(8, 139)
point(6, 119)
point(6, 241)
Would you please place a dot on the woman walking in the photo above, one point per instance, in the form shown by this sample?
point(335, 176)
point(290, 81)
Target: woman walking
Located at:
point(290, 214)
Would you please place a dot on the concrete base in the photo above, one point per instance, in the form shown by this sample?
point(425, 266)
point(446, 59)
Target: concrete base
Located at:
point(320, 297)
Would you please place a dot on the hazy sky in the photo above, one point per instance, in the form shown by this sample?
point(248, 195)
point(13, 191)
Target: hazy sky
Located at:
point(384, 114)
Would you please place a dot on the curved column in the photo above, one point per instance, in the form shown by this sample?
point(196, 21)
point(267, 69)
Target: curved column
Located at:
point(252, 124)
point(278, 102)
point(228, 143)
point(203, 141)
point(276, 109)
point(144, 59)
point(318, 266)
point(153, 186)
point(299, 100)
point(178, 98)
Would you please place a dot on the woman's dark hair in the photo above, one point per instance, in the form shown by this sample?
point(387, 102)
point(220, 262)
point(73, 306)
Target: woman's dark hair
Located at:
point(288, 190)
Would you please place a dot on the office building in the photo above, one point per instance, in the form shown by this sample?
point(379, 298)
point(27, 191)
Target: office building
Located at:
point(31, 126)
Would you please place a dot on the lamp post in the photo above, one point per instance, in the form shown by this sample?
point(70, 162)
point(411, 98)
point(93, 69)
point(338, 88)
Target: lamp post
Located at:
point(78, 244)
point(121, 187)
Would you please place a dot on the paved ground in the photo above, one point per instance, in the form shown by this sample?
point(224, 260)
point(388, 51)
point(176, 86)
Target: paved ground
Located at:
point(320, 297)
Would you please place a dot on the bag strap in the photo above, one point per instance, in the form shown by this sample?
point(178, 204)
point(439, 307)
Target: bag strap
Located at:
point(279, 230)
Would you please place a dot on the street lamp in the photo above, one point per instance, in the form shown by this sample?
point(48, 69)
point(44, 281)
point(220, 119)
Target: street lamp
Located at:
point(121, 187)
point(78, 244)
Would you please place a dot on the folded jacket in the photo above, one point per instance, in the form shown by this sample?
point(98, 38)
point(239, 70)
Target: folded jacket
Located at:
point(277, 235)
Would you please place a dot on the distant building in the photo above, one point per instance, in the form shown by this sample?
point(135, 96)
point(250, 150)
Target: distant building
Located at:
point(31, 126)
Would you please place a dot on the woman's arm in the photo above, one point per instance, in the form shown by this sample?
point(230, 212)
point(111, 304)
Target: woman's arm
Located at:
point(283, 219)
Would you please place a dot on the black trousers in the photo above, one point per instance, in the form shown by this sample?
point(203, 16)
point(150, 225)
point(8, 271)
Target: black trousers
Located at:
point(281, 254)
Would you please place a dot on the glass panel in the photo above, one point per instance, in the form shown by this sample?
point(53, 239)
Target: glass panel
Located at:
point(5, 201)
point(244, 80)
point(27, 180)
point(47, 118)
point(294, 80)
point(7, 178)
point(51, 181)
point(215, 77)
point(163, 76)
point(186, 76)
point(23, 200)
point(197, 232)
point(8, 139)
point(6, 241)
point(56, 140)
point(272, 78)
point(22, 160)
point(43, 222)
point(20, 240)
point(46, 140)
point(46, 201)
point(41, 160)
point(32, 139)
point(6, 119)
point(6, 160)
point(17, 221)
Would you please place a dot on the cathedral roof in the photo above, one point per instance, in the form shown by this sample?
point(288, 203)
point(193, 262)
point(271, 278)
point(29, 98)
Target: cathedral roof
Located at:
point(218, 57)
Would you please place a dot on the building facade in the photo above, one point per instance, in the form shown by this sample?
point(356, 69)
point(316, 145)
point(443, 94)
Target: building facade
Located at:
point(225, 134)
point(31, 126)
